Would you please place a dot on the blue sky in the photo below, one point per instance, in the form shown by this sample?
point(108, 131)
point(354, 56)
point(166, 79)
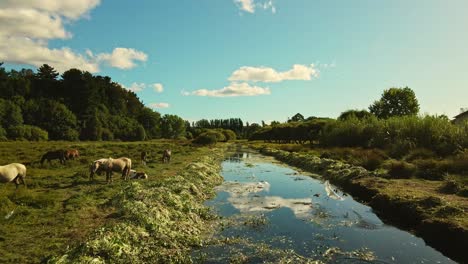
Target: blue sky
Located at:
point(253, 59)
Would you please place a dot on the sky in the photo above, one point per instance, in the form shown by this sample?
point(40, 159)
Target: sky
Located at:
point(259, 60)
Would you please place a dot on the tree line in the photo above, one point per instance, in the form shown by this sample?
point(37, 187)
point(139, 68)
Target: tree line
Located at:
point(392, 123)
point(76, 106)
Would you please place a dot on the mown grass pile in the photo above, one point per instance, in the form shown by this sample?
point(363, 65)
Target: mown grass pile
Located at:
point(163, 221)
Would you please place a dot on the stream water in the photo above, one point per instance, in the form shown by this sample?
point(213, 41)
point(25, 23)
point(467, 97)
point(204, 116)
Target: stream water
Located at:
point(272, 213)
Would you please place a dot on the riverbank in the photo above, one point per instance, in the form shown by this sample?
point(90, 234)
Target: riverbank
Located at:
point(413, 204)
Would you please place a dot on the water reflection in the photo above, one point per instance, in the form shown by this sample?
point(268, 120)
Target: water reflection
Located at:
point(303, 219)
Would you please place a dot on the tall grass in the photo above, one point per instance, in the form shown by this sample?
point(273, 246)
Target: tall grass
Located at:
point(399, 135)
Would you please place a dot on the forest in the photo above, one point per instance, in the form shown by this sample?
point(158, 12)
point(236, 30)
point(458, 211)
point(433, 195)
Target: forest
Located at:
point(80, 106)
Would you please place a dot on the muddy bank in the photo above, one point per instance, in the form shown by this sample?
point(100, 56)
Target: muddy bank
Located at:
point(439, 221)
point(157, 222)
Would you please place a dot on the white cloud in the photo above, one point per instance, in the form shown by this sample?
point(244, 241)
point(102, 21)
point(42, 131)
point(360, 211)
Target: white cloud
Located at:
point(245, 5)
point(250, 5)
point(159, 105)
point(135, 87)
point(157, 87)
point(68, 8)
point(122, 58)
point(31, 23)
point(269, 5)
point(28, 25)
point(266, 74)
point(234, 89)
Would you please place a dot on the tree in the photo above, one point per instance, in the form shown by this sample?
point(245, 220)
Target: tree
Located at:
point(151, 121)
point(52, 116)
point(359, 114)
point(10, 114)
point(395, 102)
point(45, 72)
point(172, 126)
point(297, 118)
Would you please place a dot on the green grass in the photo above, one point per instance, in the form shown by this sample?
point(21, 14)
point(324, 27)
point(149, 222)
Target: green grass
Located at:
point(61, 206)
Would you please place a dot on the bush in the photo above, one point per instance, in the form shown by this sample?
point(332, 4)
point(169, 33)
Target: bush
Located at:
point(107, 135)
point(346, 133)
point(420, 153)
point(400, 169)
point(430, 169)
point(229, 134)
point(372, 160)
point(70, 135)
point(27, 132)
point(207, 138)
point(401, 147)
point(400, 135)
point(3, 134)
point(459, 163)
point(450, 186)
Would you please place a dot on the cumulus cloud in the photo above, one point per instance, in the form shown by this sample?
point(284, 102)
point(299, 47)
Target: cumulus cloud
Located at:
point(122, 58)
point(234, 89)
point(135, 87)
point(28, 25)
point(157, 87)
point(159, 105)
point(266, 74)
point(245, 5)
point(68, 8)
point(250, 5)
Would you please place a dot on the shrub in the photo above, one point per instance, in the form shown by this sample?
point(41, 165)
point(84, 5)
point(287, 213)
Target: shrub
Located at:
point(107, 135)
point(373, 160)
point(70, 135)
point(463, 192)
point(3, 134)
point(450, 186)
point(400, 169)
point(207, 138)
point(430, 169)
point(229, 134)
point(27, 132)
point(459, 163)
point(400, 148)
point(420, 153)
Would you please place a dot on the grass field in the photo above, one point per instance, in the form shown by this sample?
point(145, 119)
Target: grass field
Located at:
point(61, 206)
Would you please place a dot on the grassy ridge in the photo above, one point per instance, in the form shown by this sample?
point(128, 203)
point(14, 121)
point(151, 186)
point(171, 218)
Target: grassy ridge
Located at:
point(61, 207)
point(417, 204)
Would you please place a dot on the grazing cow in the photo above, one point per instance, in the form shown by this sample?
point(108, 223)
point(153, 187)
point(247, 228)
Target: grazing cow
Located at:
point(144, 157)
point(15, 172)
point(72, 154)
point(138, 175)
point(166, 157)
point(54, 154)
point(110, 165)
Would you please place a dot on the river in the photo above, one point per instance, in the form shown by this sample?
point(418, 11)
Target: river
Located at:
point(270, 212)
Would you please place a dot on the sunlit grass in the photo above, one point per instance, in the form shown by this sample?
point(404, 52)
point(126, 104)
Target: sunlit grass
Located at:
point(61, 206)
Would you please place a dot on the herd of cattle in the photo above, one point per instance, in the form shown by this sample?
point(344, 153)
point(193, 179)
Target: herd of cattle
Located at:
point(16, 172)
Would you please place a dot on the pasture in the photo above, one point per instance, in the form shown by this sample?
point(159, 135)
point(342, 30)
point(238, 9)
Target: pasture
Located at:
point(61, 206)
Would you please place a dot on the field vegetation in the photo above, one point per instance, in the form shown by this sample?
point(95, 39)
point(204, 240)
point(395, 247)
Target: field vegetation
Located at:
point(63, 211)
